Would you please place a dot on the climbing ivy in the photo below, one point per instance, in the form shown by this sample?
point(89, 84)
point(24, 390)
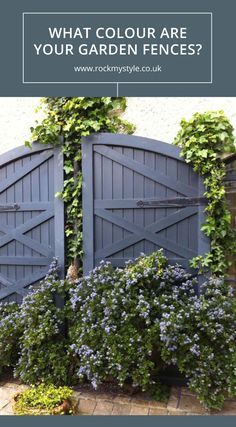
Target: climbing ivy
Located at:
point(204, 139)
point(66, 121)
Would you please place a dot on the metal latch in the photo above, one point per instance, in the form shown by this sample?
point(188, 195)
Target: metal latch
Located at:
point(13, 207)
point(173, 203)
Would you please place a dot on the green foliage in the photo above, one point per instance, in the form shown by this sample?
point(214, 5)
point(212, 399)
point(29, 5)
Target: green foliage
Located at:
point(66, 121)
point(113, 322)
point(10, 329)
point(126, 326)
point(204, 139)
point(129, 325)
point(44, 399)
point(43, 347)
point(199, 337)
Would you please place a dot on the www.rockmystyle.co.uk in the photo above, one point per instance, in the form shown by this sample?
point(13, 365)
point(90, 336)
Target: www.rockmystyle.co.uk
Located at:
point(118, 69)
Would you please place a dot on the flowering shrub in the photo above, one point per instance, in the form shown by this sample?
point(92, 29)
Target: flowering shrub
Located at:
point(130, 324)
point(10, 329)
point(125, 326)
point(115, 321)
point(199, 336)
point(43, 354)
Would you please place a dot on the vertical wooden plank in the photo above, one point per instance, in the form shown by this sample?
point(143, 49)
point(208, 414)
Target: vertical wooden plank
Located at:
point(107, 177)
point(26, 182)
point(139, 193)
point(160, 191)
point(149, 192)
point(3, 219)
point(193, 232)
point(117, 180)
point(18, 198)
point(88, 215)
point(35, 234)
point(59, 209)
point(98, 235)
point(128, 191)
point(11, 246)
point(51, 197)
point(44, 196)
point(171, 171)
point(182, 227)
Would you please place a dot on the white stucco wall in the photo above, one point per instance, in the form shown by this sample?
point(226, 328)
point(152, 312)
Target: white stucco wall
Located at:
point(156, 118)
point(17, 115)
point(159, 118)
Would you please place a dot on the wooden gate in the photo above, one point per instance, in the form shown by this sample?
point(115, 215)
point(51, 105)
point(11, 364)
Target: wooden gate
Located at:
point(139, 195)
point(31, 218)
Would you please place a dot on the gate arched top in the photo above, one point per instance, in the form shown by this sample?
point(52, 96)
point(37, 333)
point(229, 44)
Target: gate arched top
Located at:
point(134, 141)
point(22, 151)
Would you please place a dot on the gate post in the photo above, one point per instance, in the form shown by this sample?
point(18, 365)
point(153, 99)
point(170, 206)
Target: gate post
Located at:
point(88, 219)
point(59, 209)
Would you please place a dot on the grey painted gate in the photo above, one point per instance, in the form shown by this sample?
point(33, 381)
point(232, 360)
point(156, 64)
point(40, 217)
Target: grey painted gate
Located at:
point(139, 195)
point(31, 218)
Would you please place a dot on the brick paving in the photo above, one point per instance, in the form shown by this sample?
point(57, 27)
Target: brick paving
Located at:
point(181, 402)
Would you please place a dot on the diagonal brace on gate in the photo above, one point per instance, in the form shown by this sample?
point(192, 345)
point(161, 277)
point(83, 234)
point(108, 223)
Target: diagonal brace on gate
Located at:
point(18, 234)
point(24, 170)
point(146, 233)
point(146, 171)
point(19, 286)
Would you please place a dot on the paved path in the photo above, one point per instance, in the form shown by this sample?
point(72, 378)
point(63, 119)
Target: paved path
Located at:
point(7, 390)
point(181, 402)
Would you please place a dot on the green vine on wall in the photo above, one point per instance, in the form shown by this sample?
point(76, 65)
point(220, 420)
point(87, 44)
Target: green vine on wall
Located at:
point(204, 139)
point(66, 121)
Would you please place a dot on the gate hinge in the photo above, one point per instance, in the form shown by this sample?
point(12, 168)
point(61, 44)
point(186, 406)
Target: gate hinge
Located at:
point(13, 207)
point(174, 202)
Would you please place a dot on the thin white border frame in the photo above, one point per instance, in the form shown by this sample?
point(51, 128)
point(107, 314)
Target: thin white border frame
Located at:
point(115, 13)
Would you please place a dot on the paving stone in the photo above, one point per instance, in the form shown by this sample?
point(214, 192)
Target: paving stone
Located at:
point(176, 412)
point(86, 406)
point(186, 390)
point(153, 404)
point(140, 402)
point(103, 408)
point(191, 405)
point(139, 410)
point(4, 403)
point(121, 409)
point(121, 399)
point(174, 398)
point(105, 396)
point(141, 396)
point(87, 395)
point(12, 384)
point(157, 411)
point(5, 397)
point(7, 410)
point(229, 408)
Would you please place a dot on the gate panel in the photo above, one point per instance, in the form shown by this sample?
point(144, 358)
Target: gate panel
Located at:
point(139, 195)
point(31, 218)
